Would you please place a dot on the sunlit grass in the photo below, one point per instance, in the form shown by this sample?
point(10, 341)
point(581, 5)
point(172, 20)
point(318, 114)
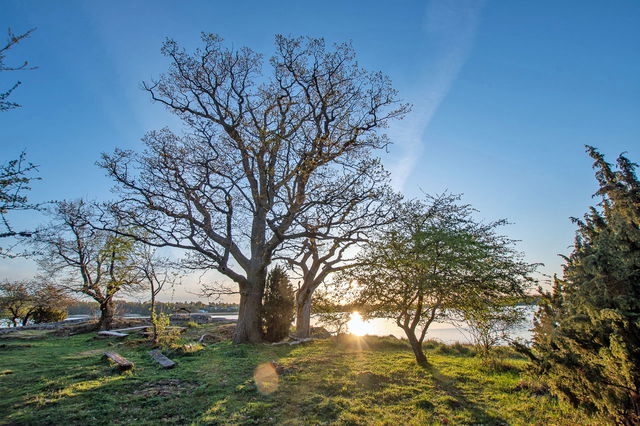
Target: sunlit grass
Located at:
point(350, 380)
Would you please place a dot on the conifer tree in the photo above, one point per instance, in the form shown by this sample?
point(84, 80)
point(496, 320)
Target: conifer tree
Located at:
point(587, 332)
point(278, 303)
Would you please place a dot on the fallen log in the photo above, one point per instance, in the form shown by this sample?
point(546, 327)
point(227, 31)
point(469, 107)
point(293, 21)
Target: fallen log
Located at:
point(108, 333)
point(122, 363)
point(132, 329)
point(298, 341)
point(161, 359)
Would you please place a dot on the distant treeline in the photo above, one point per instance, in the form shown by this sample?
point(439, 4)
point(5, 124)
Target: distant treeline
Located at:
point(144, 308)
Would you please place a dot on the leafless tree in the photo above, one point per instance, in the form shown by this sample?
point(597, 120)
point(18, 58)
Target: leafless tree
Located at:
point(85, 260)
point(255, 156)
point(12, 40)
point(15, 177)
point(158, 273)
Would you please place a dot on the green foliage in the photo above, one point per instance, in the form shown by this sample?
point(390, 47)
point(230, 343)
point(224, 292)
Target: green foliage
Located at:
point(163, 335)
point(489, 324)
point(329, 313)
point(44, 314)
point(22, 302)
point(278, 304)
point(587, 332)
point(434, 260)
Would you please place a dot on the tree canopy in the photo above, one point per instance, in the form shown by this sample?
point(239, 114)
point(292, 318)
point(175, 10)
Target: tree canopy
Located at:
point(435, 258)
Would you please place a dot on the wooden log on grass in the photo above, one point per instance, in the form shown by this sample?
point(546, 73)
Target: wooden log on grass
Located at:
point(109, 333)
point(161, 359)
point(122, 363)
point(132, 329)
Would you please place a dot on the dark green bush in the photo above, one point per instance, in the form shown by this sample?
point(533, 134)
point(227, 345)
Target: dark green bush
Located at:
point(278, 306)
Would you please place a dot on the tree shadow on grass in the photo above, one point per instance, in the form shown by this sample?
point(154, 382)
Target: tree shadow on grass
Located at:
point(457, 400)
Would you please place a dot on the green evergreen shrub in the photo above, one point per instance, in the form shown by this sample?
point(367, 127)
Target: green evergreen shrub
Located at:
point(587, 332)
point(278, 306)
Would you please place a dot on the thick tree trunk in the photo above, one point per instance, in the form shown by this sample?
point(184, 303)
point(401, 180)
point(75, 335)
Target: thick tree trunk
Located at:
point(416, 346)
point(303, 314)
point(107, 312)
point(249, 326)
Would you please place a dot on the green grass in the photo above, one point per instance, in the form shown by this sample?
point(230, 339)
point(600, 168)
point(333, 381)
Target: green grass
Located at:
point(365, 381)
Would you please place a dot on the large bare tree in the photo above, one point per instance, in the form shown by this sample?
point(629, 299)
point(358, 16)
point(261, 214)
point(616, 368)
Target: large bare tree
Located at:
point(256, 152)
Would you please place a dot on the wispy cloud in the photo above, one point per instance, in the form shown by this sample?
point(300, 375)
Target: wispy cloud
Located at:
point(449, 32)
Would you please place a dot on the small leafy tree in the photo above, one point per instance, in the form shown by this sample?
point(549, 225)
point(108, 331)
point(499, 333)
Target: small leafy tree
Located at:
point(491, 323)
point(36, 301)
point(15, 301)
point(45, 314)
point(88, 261)
point(586, 342)
point(278, 304)
point(436, 258)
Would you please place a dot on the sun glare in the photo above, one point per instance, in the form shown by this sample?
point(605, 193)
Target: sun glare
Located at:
point(357, 326)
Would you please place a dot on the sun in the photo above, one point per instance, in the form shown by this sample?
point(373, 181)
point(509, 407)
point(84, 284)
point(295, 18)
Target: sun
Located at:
point(357, 326)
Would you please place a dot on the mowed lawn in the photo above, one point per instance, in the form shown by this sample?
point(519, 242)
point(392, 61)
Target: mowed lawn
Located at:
point(359, 381)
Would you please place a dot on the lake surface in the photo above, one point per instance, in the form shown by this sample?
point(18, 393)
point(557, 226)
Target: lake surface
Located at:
point(441, 331)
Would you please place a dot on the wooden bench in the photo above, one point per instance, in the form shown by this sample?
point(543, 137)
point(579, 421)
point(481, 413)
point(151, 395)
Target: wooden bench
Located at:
point(108, 333)
point(132, 329)
point(161, 359)
point(122, 363)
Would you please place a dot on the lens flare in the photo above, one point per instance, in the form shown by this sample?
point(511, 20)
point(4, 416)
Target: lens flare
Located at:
point(266, 378)
point(357, 326)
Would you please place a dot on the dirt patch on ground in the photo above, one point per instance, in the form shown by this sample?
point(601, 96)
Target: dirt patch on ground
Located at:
point(166, 387)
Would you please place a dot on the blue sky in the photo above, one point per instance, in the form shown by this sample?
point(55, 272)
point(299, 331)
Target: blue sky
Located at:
point(505, 93)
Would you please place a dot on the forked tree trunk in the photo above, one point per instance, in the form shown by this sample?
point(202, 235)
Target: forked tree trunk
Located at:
point(416, 346)
point(107, 312)
point(303, 314)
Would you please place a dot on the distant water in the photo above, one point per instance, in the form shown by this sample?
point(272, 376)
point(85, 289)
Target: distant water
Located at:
point(441, 331)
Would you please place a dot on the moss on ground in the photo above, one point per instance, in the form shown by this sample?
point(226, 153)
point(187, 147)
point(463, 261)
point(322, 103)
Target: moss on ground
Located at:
point(63, 380)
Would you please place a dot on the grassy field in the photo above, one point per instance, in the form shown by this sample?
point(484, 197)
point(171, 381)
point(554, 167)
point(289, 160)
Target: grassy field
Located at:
point(63, 380)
